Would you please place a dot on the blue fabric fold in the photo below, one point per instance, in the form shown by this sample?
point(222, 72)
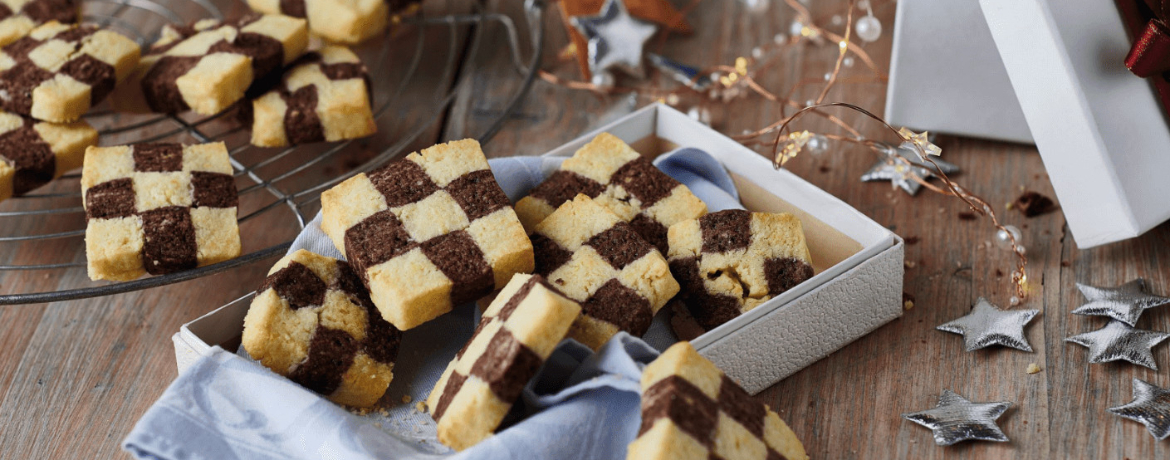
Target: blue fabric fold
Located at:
point(581, 405)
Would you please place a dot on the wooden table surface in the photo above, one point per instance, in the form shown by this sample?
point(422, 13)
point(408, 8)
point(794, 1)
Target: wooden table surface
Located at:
point(76, 376)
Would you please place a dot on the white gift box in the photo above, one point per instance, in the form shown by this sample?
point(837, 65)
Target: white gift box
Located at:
point(1100, 130)
point(946, 75)
point(857, 286)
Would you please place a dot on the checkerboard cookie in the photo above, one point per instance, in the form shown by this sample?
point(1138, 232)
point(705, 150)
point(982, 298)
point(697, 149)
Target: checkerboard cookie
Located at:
point(597, 259)
point(58, 71)
point(517, 333)
point(691, 410)
point(613, 174)
point(32, 153)
point(18, 17)
point(347, 22)
point(427, 232)
point(324, 96)
point(207, 67)
point(158, 208)
point(313, 322)
point(729, 262)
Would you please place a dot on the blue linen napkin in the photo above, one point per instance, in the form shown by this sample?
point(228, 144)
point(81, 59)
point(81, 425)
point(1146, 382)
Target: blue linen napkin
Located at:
point(581, 405)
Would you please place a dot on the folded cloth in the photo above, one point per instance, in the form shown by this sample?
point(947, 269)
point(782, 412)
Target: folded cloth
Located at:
point(581, 405)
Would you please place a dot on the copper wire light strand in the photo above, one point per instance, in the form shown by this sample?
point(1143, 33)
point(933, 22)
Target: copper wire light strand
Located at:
point(977, 204)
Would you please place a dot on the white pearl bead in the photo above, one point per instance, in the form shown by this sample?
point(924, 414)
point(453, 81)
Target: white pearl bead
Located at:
point(1003, 241)
point(1014, 301)
point(828, 76)
point(836, 20)
point(779, 39)
point(795, 28)
point(602, 80)
point(817, 144)
point(757, 6)
point(700, 114)
point(868, 28)
point(757, 52)
point(847, 62)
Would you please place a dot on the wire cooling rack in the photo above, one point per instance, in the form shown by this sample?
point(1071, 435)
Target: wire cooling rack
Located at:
point(414, 69)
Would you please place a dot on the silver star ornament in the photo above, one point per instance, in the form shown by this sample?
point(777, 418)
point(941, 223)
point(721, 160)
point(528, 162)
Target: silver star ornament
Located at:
point(900, 174)
point(1124, 303)
point(987, 325)
point(1118, 341)
point(615, 38)
point(1150, 407)
point(956, 419)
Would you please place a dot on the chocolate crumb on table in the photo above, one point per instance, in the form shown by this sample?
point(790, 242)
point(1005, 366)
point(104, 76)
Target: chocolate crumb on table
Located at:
point(158, 208)
point(313, 322)
point(692, 411)
point(1032, 204)
point(597, 259)
point(517, 333)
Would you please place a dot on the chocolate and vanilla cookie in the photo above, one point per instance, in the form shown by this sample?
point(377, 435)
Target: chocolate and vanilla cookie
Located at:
point(18, 17)
point(58, 71)
point(323, 96)
point(692, 411)
point(313, 322)
point(598, 260)
point(428, 232)
point(346, 22)
point(609, 171)
point(158, 208)
point(32, 153)
point(208, 66)
point(517, 333)
point(729, 262)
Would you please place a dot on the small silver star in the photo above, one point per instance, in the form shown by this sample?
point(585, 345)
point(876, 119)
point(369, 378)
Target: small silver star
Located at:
point(900, 174)
point(615, 38)
point(987, 325)
point(1119, 341)
point(1124, 303)
point(1150, 407)
point(956, 419)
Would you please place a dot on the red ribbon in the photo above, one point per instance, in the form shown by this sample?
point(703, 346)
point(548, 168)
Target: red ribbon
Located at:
point(1149, 57)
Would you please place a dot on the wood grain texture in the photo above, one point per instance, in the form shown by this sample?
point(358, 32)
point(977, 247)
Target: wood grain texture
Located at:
point(75, 376)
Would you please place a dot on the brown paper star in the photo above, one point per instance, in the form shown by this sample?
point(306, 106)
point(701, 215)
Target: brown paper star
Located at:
point(657, 11)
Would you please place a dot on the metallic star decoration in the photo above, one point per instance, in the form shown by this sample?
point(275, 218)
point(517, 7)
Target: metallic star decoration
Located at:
point(900, 174)
point(1119, 341)
point(1124, 303)
point(987, 325)
point(1150, 407)
point(921, 140)
point(615, 38)
point(956, 419)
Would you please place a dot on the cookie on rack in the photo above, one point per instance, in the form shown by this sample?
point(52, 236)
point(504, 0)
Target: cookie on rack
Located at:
point(347, 22)
point(18, 17)
point(731, 261)
point(32, 153)
point(428, 232)
point(517, 334)
point(208, 66)
point(324, 96)
point(58, 71)
point(612, 173)
point(313, 322)
point(595, 258)
point(158, 208)
point(692, 411)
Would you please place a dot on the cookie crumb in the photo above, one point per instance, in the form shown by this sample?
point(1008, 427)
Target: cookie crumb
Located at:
point(405, 399)
point(1033, 368)
point(910, 264)
point(421, 407)
point(907, 304)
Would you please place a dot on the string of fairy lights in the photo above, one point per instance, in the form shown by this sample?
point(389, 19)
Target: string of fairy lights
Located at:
point(723, 83)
